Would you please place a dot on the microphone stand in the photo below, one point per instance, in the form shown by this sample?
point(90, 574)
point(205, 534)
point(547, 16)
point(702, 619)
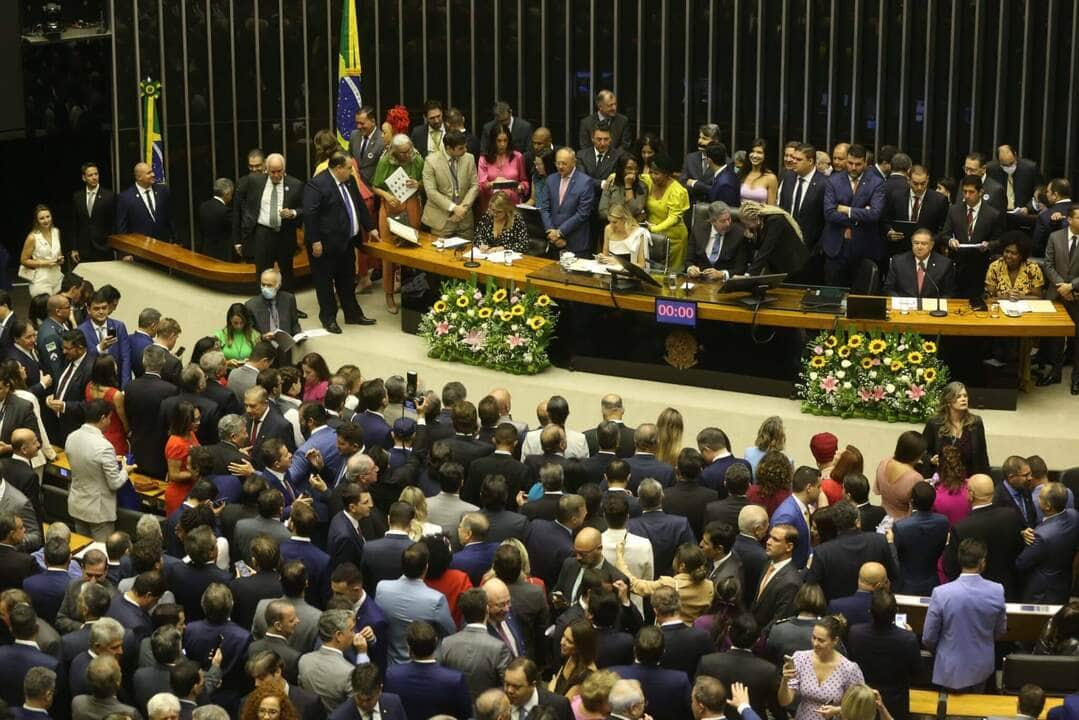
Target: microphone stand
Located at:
point(938, 312)
point(471, 262)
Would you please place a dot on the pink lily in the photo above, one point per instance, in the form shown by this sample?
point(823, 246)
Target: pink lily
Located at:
point(442, 328)
point(829, 384)
point(915, 392)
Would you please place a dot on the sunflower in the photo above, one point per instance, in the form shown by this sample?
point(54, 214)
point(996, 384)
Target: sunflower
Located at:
point(817, 361)
point(914, 358)
point(439, 307)
point(543, 300)
point(843, 352)
point(896, 366)
point(930, 375)
point(854, 341)
point(499, 296)
point(877, 346)
point(866, 363)
point(505, 315)
point(830, 341)
point(462, 301)
point(536, 322)
point(929, 347)
point(485, 313)
point(518, 310)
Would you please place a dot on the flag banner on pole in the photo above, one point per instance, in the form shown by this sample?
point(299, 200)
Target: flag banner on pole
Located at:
point(348, 74)
point(153, 151)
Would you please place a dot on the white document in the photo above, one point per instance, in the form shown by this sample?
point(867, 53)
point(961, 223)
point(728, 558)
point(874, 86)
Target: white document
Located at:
point(450, 243)
point(969, 246)
point(1017, 307)
point(1040, 306)
point(396, 182)
point(911, 303)
point(403, 231)
point(499, 256)
point(586, 265)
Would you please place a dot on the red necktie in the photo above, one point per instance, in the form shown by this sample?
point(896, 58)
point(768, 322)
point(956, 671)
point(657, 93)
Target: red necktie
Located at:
point(970, 224)
point(916, 209)
point(921, 276)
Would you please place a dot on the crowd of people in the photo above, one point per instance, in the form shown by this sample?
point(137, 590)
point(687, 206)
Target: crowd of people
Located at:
point(336, 546)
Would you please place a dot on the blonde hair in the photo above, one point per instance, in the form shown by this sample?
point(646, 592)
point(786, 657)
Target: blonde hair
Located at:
point(771, 435)
point(669, 436)
point(596, 688)
point(415, 497)
point(501, 202)
point(526, 567)
point(859, 703)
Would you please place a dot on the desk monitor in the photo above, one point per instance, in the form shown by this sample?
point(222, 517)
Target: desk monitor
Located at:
point(533, 222)
point(636, 271)
point(757, 285)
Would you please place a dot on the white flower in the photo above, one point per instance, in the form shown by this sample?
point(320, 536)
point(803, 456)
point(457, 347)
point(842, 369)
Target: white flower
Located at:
point(901, 348)
point(460, 291)
point(840, 374)
point(919, 372)
point(829, 353)
point(845, 363)
point(471, 312)
point(445, 298)
point(812, 376)
point(889, 388)
point(847, 386)
point(515, 327)
point(527, 357)
point(872, 373)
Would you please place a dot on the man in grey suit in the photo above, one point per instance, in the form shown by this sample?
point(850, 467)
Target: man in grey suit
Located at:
point(96, 474)
point(305, 630)
point(449, 179)
point(1062, 267)
point(281, 621)
point(267, 522)
point(245, 377)
point(325, 671)
point(275, 309)
point(103, 678)
point(14, 502)
point(366, 143)
point(481, 658)
point(446, 508)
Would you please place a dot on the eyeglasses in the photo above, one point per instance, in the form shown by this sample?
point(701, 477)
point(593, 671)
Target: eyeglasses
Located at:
point(268, 712)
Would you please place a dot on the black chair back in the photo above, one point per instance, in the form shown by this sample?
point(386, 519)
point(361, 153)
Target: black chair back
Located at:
point(866, 279)
point(1055, 674)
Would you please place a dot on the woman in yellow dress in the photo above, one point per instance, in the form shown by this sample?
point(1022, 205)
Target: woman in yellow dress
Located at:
point(666, 204)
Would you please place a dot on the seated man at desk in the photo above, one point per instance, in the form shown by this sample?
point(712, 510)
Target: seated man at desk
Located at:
point(921, 272)
point(719, 249)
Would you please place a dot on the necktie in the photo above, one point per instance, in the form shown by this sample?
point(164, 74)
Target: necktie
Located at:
point(577, 585)
point(363, 146)
point(562, 187)
point(150, 205)
point(916, 208)
point(275, 318)
point(1071, 250)
point(767, 576)
point(1028, 509)
point(798, 196)
point(1011, 192)
point(501, 627)
point(717, 246)
point(436, 139)
point(101, 334)
point(275, 206)
point(921, 276)
point(521, 714)
point(90, 203)
point(65, 380)
point(704, 164)
point(854, 186)
point(970, 224)
point(599, 158)
point(256, 425)
point(351, 210)
point(453, 177)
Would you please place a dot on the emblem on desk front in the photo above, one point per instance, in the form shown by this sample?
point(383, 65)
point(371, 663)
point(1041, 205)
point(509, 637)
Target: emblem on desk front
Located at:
point(682, 348)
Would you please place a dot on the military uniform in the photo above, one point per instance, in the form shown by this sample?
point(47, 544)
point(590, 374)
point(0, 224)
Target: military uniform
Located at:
point(50, 350)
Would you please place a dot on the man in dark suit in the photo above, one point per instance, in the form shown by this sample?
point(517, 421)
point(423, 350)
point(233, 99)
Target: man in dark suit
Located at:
point(366, 143)
point(919, 542)
point(687, 497)
point(836, 563)
point(780, 580)
point(263, 557)
point(463, 445)
point(1062, 277)
point(917, 203)
point(216, 630)
point(665, 531)
point(143, 404)
point(142, 338)
point(606, 110)
point(740, 665)
point(855, 605)
point(188, 580)
point(281, 620)
point(920, 273)
point(65, 413)
point(853, 205)
point(93, 219)
point(889, 656)
point(16, 414)
point(368, 698)
point(345, 541)
point(999, 527)
point(597, 159)
point(131, 609)
point(333, 216)
point(587, 554)
point(427, 688)
point(1015, 491)
point(643, 463)
point(612, 410)
point(752, 529)
point(567, 207)
point(265, 421)
point(735, 484)
point(976, 164)
point(972, 222)
point(683, 646)
point(1046, 561)
point(520, 129)
point(802, 194)
point(477, 552)
point(1058, 193)
point(550, 474)
point(502, 523)
point(698, 172)
point(275, 309)
point(23, 350)
point(1019, 177)
point(268, 208)
point(18, 658)
point(719, 249)
point(15, 565)
point(667, 691)
point(382, 557)
point(427, 136)
point(192, 383)
point(144, 208)
point(594, 468)
point(500, 462)
point(525, 689)
point(266, 667)
point(550, 542)
point(216, 224)
point(717, 543)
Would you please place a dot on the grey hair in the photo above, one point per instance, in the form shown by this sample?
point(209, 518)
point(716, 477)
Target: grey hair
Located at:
point(148, 317)
point(209, 712)
point(222, 187)
point(331, 622)
point(650, 493)
point(105, 631)
point(148, 526)
point(58, 529)
point(358, 466)
point(38, 681)
point(709, 130)
point(153, 358)
point(162, 704)
point(400, 141)
point(212, 363)
point(567, 149)
point(751, 517)
point(718, 209)
point(272, 271)
point(624, 696)
point(551, 475)
point(229, 426)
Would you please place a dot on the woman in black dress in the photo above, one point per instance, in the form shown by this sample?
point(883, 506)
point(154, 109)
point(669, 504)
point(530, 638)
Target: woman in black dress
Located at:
point(956, 425)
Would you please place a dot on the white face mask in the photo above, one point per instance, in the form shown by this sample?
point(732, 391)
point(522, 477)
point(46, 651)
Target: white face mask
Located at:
point(1010, 169)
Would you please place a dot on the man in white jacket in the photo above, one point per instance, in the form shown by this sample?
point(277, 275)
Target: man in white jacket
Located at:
point(96, 474)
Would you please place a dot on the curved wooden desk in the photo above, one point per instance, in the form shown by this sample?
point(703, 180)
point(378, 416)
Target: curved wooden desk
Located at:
point(203, 267)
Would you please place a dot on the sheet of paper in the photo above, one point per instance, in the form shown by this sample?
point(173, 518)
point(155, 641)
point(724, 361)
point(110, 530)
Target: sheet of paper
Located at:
point(1017, 307)
point(969, 246)
point(312, 333)
point(403, 231)
point(397, 184)
point(1041, 306)
point(450, 243)
point(589, 266)
point(911, 303)
point(499, 256)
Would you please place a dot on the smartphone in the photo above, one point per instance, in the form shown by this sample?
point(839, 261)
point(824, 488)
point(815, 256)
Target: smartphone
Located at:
point(411, 381)
point(217, 646)
point(180, 352)
point(110, 332)
point(901, 620)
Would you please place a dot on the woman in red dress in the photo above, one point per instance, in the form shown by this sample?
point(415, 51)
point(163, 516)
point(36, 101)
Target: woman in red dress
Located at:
point(105, 385)
point(182, 427)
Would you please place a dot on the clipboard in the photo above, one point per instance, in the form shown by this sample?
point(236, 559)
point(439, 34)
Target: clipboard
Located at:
point(906, 227)
point(403, 232)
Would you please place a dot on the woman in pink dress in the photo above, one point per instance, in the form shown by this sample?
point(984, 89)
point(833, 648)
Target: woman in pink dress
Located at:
point(897, 475)
point(500, 163)
point(316, 377)
point(104, 385)
point(818, 677)
point(952, 499)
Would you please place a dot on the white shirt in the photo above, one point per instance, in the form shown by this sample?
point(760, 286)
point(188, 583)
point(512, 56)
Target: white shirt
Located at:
point(638, 554)
point(804, 180)
point(264, 203)
point(576, 445)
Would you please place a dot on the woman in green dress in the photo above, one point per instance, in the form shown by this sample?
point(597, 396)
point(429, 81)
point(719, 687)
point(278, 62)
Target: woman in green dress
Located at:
point(239, 335)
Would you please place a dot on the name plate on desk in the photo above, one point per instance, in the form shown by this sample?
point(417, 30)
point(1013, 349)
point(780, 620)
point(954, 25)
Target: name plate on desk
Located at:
point(676, 312)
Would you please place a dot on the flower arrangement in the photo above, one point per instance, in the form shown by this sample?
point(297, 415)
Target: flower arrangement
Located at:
point(502, 329)
point(883, 376)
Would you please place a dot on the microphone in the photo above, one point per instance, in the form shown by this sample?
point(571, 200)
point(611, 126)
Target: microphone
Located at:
point(938, 312)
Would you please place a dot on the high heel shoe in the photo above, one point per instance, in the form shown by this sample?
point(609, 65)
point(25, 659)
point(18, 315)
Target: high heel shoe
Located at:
point(391, 304)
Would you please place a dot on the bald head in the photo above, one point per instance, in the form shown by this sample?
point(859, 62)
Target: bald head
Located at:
point(498, 599)
point(25, 442)
point(982, 488)
point(492, 705)
point(588, 547)
point(502, 397)
point(611, 406)
point(586, 539)
point(871, 576)
point(57, 303)
point(144, 174)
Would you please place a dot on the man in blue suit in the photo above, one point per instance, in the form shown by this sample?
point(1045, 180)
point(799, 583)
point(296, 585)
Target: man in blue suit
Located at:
point(855, 607)
point(568, 206)
point(643, 463)
point(131, 609)
point(103, 334)
point(320, 437)
point(667, 691)
point(368, 698)
point(17, 659)
point(201, 638)
point(142, 338)
point(47, 588)
point(345, 541)
point(1047, 558)
point(373, 399)
point(805, 489)
point(837, 564)
point(550, 542)
point(476, 554)
point(853, 203)
point(303, 522)
point(964, 619)
point(188, 580)
point(665, 531)
point(382, 557)
point(407, 599)
point(143, 208)
point(919, 540)
point(333, 217)
point(501, 622)
point(39, 690)
point(425, 687)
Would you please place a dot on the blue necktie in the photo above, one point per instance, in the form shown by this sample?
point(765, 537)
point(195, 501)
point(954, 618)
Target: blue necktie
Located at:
point(348, 207)
point(717, 245)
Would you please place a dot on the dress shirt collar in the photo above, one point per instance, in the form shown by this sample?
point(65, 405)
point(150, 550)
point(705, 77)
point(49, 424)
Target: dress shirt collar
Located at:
point(275, 473)
point(425, 661)
point(564, 527)
point(980, 506)
point(43, 711)
point(403, 533)
point(808, 177)
point(28, 643)
point(780, 565)
point(476, 626)
point(502, 452)
point(275, 635)
point(531, 702)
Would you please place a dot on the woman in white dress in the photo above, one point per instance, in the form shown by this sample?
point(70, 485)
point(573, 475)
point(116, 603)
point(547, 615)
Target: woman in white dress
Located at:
point(624, 236)
point(41, 255)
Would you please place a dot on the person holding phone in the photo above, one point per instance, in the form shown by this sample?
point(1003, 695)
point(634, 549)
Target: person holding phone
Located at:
point(105, 335)
point(802, 684)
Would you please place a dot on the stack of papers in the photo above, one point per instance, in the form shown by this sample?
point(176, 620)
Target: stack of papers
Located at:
point(500, 256)
point(911, 303)
point(450, 243)
point(1019, 307)
point(589, 266)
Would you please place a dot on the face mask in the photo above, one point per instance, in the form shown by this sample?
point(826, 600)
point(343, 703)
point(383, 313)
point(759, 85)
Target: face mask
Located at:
point(1010, 169)
point(269, 292)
